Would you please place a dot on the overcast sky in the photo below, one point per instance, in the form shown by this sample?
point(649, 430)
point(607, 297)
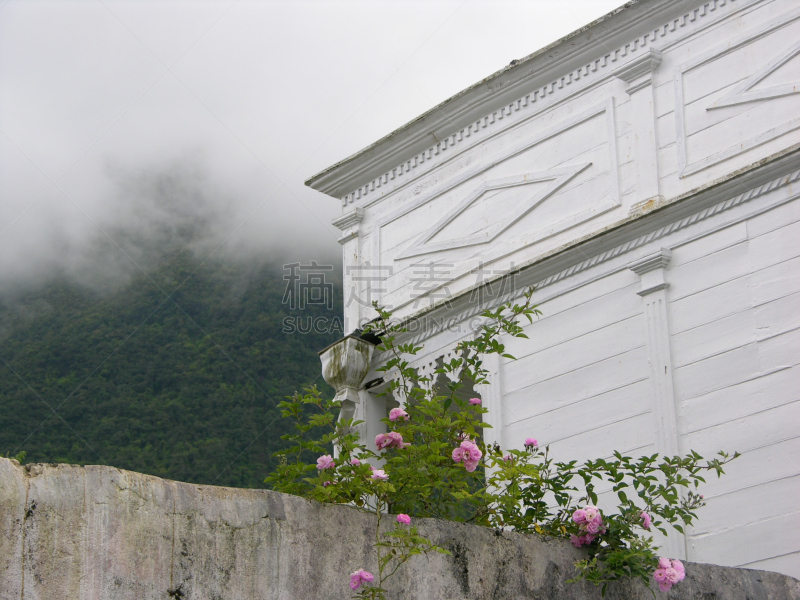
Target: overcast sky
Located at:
point(123, 122)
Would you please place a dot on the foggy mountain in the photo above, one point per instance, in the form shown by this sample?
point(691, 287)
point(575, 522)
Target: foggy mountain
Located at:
point(155, 341)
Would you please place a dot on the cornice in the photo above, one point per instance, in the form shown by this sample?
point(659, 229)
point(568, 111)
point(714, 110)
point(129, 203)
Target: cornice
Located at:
point(348, 221)
point(658, 260)
point(639, 72)
point(651, 271)
point(464, 117)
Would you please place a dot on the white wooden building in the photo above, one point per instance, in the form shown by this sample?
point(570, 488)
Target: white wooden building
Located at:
point(643, 173)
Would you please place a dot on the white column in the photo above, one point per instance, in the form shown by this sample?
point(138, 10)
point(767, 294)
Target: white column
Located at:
point(654, 293)
point(639, 77)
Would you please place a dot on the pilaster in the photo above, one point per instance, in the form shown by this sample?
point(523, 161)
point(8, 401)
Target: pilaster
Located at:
point(349, 224)
point(639, 77)
point(651, 270)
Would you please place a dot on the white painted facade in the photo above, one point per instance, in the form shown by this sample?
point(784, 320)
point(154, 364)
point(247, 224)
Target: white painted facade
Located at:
point(643, 173)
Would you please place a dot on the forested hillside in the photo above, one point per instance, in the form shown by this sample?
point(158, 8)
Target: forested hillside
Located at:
point(183, 388)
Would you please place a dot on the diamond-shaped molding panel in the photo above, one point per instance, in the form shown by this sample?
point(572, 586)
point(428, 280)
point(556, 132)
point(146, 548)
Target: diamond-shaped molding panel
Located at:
point(554, 178)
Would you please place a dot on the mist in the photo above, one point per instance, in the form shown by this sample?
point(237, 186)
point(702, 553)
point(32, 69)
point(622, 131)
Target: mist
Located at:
point(131, 128)
point(136, 215)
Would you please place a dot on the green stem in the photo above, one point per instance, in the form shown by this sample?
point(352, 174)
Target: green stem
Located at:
point(377, 542)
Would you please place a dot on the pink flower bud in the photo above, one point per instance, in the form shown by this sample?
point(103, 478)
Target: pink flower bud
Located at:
point(474, 401)
point(531, 443)
point(398, 414)
point(359, 577)
point(404, 519)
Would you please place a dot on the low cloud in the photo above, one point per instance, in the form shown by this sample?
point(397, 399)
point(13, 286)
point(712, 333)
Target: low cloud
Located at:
point(135, 216)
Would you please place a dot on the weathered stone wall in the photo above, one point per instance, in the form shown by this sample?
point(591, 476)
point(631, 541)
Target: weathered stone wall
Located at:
point(99, 533)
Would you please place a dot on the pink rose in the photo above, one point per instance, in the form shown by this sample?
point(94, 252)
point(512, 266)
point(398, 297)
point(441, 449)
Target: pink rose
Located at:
point(379, 474)
point(474, 401)
point(646, 521)
point(355, 462)
point(398, 414)
point(591, 513)
point(471, 449)
point(531, 443)
point(508, 458)
point(325, 462)
point(660, 574)
point(359, 577)
point(678, 566)
point(593, 527)
point(581, 540)
point(672, 576)
point(664, 586)
point(404, 519)
point(389, 440)
point(664, 563)
point(327, 483)
point(579, 516)
point(468, 453)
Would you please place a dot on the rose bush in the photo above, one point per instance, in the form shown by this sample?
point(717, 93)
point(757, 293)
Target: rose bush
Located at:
point(433, 462)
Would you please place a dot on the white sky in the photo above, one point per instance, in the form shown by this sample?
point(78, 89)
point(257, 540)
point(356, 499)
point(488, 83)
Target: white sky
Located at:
point(123, 115)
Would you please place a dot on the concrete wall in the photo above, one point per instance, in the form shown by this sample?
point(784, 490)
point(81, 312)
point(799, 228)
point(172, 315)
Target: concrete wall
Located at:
point(95, 532)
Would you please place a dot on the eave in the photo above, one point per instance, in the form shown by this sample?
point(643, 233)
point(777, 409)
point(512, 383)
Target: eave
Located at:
point(497, 90)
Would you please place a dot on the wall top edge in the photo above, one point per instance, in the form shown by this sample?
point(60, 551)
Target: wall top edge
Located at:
point(598, 45)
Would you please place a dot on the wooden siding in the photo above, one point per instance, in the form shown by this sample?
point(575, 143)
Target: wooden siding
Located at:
point(736, 348)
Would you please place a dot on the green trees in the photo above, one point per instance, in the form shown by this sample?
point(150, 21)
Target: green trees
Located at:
point(174, 389)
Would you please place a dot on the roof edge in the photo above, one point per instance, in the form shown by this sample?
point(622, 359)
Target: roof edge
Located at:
point(491, 92)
